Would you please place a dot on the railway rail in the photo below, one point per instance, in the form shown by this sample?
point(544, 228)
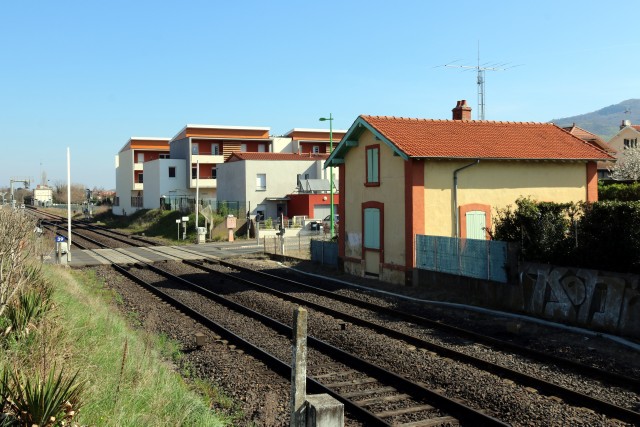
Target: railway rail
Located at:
point(394, 396)
point(335, 373)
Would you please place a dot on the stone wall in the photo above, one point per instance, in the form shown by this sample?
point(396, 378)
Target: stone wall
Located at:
point(601, 301)
point(598, 300)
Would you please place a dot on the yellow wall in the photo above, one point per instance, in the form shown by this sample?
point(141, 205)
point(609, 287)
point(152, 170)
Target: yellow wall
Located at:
point(390, 192)
point(497, 184)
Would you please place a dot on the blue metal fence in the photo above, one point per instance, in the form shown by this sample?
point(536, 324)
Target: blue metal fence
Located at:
point(482, 259)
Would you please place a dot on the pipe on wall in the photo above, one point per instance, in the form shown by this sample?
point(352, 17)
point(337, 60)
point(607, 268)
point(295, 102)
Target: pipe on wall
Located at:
point(455, 194)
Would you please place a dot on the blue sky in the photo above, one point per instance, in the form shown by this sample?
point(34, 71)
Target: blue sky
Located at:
point(88, 75)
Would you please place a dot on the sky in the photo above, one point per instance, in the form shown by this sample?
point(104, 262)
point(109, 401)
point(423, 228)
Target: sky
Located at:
point(88, 75)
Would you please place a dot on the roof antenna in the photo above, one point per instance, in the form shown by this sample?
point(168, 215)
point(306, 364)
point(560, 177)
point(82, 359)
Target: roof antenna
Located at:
point(480, 69)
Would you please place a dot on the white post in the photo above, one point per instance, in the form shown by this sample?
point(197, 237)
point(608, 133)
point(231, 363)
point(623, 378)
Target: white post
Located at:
point(197, 191)
point(69, 204)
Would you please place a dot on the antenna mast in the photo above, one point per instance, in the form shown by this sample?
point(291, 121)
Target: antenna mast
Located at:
point(480, 79)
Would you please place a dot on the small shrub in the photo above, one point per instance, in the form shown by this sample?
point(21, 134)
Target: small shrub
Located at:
point(52, 401)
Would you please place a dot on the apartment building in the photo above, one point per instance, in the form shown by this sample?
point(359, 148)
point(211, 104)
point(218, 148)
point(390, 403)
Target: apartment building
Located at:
point(129, 163)
point(174, 167)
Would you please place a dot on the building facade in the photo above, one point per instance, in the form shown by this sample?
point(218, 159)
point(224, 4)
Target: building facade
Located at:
point(130, 162)
point(400, 177)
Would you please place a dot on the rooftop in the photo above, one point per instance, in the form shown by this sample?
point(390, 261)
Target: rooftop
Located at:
point(473, 139)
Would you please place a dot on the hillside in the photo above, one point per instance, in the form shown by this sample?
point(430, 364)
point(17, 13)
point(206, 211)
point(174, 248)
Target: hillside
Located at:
point(606, 121)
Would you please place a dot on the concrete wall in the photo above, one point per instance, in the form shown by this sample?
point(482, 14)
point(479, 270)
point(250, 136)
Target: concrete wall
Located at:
point(237, 181)
point(124, 182)
point(158, 183)
point(181, 149)
point(232, 181)
point(598, 300)
point(283, 145)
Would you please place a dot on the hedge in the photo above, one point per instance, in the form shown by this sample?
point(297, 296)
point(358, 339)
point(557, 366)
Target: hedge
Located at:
point(603, 235)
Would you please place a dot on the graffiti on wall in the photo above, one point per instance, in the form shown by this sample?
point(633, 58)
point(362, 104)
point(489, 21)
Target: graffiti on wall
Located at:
point(598, 300)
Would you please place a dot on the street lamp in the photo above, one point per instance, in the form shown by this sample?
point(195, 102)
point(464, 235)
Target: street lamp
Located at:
point(330, 120)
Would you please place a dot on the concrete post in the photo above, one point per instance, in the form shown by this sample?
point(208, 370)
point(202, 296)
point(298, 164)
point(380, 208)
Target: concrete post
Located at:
point(299, 368)
point(324, 411)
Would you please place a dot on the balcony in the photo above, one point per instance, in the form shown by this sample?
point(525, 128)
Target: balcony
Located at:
point(137, 186)
point(204, 183)
point(206, 158)
point(137, 166)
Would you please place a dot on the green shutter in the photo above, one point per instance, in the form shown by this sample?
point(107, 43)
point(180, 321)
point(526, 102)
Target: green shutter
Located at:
point(372, 164)
point(476, 221)
point(372, 228)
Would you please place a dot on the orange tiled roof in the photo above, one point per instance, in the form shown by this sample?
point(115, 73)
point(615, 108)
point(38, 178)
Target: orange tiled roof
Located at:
point(636, 127)
point(483, 139)
point(275, 156)
point(591, 138)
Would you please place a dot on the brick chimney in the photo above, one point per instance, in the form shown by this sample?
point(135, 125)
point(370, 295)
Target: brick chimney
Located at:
point(462, 111)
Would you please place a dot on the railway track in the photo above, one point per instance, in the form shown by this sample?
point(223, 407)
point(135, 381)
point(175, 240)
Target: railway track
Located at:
point(337, 374)
point(359, 384)
point(386, 323)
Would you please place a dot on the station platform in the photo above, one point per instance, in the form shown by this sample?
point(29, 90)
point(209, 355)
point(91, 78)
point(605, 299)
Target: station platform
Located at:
point(151, 254)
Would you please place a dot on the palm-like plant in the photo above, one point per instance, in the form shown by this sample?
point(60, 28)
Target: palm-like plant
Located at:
point(47, 402)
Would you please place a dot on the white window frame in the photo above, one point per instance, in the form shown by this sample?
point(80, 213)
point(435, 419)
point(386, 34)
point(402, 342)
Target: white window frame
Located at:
point(261, 182)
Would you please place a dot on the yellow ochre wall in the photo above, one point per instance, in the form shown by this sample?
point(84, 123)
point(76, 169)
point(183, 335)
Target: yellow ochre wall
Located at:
point(390, 192)
point(497, 184)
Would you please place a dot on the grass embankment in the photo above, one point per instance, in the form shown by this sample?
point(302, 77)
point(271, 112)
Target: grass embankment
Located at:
point(128, 383)
point(159, 223)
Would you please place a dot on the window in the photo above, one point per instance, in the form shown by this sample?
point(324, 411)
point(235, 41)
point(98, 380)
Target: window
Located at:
point(141, 157)
point(140, 180)
point(243, 148)
point(172, 171)
point(261, 182)
point(164, 156)
point(373, 165)
point(261, 148)
point(194, 148)
point(194, 173)
point(372, 228)
point(631, 143)
point(315, 149)
point(215, 149)
point(214, 173)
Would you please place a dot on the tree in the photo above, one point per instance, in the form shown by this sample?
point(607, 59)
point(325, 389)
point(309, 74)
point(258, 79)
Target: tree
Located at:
point(78, 192)
point(628, 165)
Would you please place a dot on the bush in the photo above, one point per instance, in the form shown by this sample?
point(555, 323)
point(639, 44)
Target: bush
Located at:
point(609, 236)
point(601, 235)
point(619, 191)
point(543, 229)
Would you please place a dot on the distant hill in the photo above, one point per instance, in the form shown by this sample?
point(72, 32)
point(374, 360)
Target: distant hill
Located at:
point(606, 121)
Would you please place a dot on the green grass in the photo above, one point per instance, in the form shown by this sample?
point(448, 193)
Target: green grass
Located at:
point(151, 222)
point(129, 383)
